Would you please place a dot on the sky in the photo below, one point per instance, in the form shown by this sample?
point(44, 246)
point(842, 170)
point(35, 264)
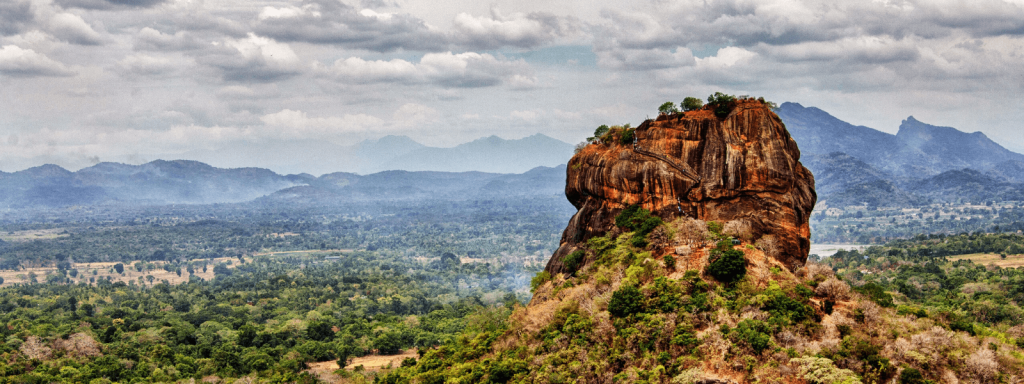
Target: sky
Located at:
point(84, 81)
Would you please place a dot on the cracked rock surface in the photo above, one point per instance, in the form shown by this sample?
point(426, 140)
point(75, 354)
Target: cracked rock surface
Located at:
point(744, 167)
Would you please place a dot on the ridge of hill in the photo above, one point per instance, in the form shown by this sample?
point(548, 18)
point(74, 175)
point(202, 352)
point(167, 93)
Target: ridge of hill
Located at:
point(488, 154)
point(191, 182)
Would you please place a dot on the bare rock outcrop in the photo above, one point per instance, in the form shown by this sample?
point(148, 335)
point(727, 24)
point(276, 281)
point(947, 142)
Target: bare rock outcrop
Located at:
point(743, 169)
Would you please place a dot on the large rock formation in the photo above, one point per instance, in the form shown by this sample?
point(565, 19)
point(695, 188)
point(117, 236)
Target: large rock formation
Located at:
point(743, 168)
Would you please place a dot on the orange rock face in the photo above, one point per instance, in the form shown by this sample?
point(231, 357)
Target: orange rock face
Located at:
point(744, 168)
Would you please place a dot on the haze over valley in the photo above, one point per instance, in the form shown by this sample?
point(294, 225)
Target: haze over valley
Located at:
point(584, 191)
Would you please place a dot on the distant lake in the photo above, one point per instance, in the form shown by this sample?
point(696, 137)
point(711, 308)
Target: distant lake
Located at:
point(825, 250)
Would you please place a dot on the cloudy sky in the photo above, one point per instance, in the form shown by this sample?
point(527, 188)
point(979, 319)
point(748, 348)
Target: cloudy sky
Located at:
point(83, 81)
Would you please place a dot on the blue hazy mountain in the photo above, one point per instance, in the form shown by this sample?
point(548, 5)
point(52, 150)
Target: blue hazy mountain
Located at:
point(921, 163)
point(192, 182)
point(917, 150)
point(490, 154)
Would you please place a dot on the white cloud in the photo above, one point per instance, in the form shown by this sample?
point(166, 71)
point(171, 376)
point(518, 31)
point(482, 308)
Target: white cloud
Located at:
point(645, 59)
point(253, 58)
point(468, 69)
point(74, 29)
point(152, 39)
point(292, 124)
point(288, 12)
point(517, 30)
point(15, 61)
point(726, 57)
point(145, 65)
point(357, 70)
point(335, 23)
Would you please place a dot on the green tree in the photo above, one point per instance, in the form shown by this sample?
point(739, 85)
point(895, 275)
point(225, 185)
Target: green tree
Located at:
point(119, 268)
point(692, 104)
point(668, 108)
point(729, 266)
point(388, 343)
point(626, 301)
point(599, 133)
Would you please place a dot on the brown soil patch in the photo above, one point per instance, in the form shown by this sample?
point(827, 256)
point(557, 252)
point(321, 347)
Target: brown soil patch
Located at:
point(376, 362)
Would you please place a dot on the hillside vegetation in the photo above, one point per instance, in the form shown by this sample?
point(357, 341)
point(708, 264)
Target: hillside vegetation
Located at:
point(635, 313)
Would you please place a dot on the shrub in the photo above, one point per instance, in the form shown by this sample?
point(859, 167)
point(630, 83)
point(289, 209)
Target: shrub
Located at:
point(627, 137)
point(874, 365)
point(670, 262)
point(665, 295)
point(877, 294)
point(574, 260)
point(690, 230)
point(539, 280)
point(819, 370)
point(769, 245)
point(819, 272)
point(982, 366)
point(722, 103)
point(715, 228)
point(833, 289)
point(904, 310)
point(753, 333)
point(785, 310)
point(504, 370)
point(739, 229)
point(598, 133)
point(626, 301)
point(638, 220)
point(728, 267)
point(685, 338)
point(962, 324)
point(911, 376)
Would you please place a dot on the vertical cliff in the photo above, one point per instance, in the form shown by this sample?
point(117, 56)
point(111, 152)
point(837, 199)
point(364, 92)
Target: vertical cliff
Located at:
point(742, 168)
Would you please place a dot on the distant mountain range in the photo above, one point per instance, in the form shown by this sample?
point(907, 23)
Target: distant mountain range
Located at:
point(406, 185)
point(191, 182)
point(921, 163)
point(852, 165)
point(490, 154)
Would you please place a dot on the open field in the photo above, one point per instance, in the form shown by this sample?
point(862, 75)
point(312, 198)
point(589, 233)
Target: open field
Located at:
point(38, 234)
point(304, 252)
point(1011, 261)
point(376, 362)
point(106, 269)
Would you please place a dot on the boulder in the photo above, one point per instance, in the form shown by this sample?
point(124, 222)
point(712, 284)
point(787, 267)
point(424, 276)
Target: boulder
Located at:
point(743, 167)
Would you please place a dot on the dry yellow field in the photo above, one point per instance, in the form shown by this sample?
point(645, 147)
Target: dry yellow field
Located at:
point(105, 269)
point(325, 369)
point(1011, 261)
